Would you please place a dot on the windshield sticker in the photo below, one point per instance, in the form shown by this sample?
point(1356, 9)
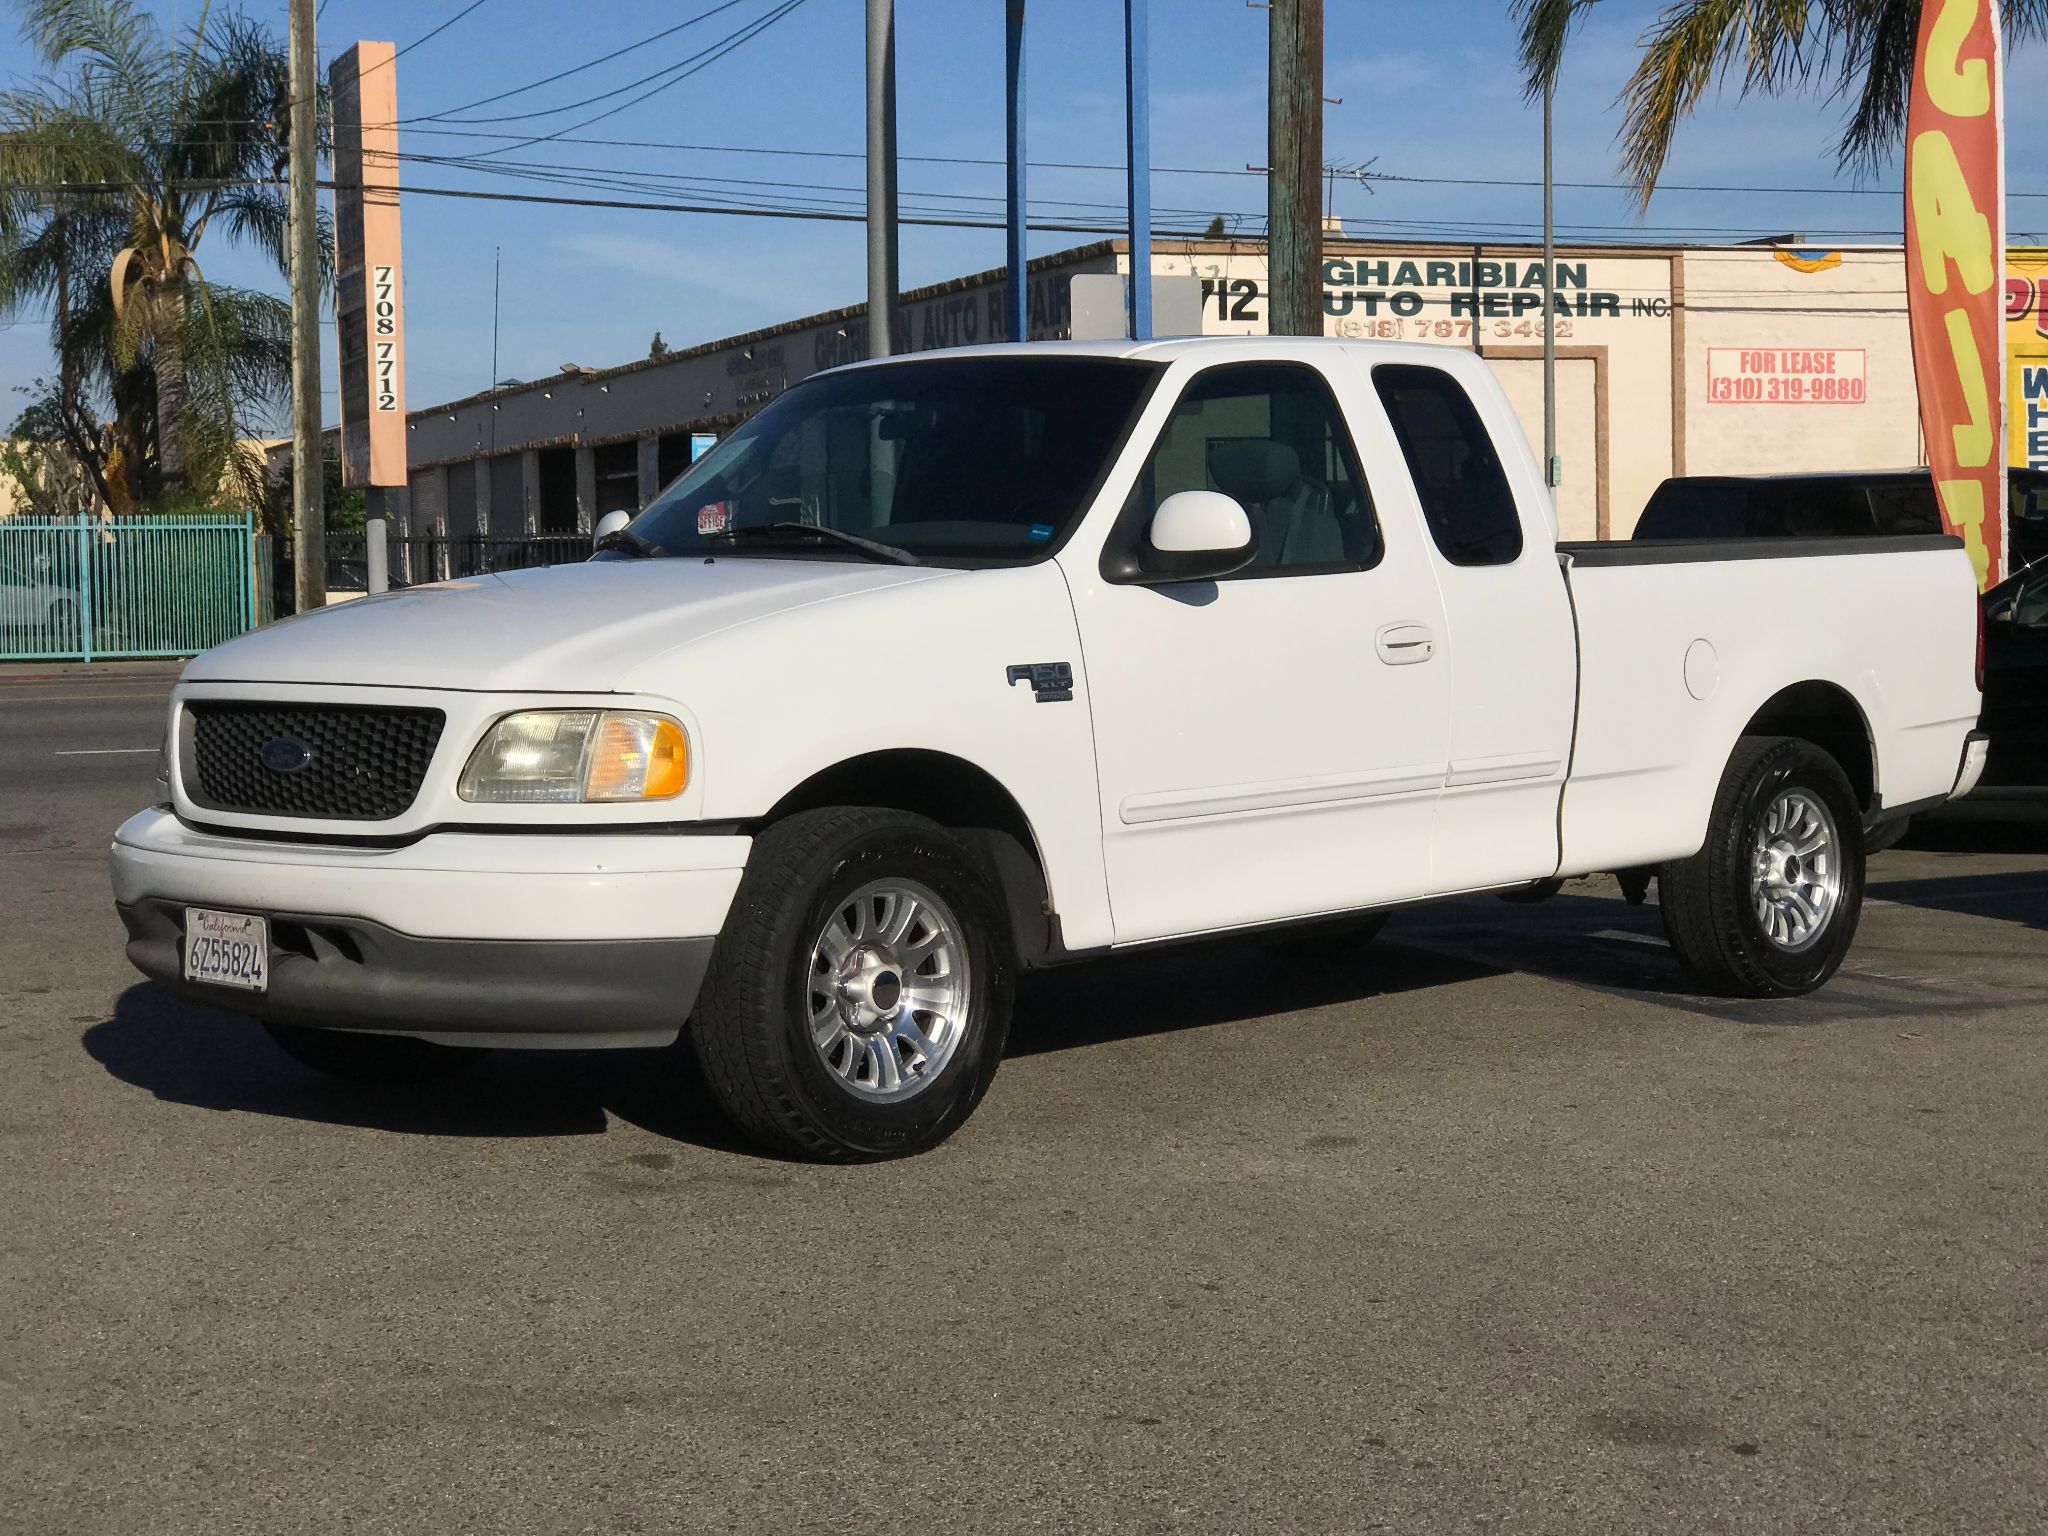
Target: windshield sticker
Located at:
point(1039, 532)
point(713, 517)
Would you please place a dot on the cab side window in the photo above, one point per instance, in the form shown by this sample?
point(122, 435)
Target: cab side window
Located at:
point(1458, 477)
point(1269, 436)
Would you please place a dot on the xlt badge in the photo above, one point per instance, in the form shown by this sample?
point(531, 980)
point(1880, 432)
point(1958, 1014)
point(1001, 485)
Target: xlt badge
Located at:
point(1052, 682)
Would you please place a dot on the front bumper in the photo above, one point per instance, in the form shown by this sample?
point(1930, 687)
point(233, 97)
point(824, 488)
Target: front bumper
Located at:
point(532, 939)
point(348, 973)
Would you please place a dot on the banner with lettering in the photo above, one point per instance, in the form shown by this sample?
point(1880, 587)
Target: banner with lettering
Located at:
point(1955, 250)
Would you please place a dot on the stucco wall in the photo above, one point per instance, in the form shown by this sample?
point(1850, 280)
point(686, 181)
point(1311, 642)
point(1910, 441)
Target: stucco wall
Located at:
point(1845, 302)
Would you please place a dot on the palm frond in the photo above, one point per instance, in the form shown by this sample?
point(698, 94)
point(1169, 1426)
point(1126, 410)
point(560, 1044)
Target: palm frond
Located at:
point(1546, 24)
point(1854, 51)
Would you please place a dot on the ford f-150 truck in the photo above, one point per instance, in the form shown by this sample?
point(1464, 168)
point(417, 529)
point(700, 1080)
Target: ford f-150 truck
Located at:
point(945, 667)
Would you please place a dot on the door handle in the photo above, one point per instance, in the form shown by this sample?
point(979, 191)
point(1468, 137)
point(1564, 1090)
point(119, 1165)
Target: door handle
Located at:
point(1404, 644)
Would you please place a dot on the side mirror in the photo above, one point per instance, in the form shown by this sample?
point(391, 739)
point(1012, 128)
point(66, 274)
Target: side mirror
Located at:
point(1198, 536)
point(611, 522)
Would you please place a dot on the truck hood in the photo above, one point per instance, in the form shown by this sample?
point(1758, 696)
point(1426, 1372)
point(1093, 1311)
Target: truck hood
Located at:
point(590, 628)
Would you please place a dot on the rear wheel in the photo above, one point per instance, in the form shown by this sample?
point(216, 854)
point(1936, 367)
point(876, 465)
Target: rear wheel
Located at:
point(859, 995)
point(367, 1058)
point(1768, 907)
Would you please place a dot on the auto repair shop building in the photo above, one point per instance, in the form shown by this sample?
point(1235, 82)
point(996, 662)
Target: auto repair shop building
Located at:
point(1671, 360)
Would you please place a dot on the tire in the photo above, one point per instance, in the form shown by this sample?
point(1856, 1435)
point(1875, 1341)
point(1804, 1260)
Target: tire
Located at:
point(368, 1058)
point(1781, 803)
point(808, 945)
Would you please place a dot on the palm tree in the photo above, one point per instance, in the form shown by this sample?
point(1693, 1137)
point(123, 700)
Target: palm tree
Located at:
point(114, 166)
point(1857, 50)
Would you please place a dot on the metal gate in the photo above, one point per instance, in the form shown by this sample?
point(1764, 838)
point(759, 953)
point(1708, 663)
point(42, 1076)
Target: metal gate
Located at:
point(87, 588)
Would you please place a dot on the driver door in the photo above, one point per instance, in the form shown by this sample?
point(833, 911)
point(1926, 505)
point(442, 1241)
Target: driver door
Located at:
point(1271, 744)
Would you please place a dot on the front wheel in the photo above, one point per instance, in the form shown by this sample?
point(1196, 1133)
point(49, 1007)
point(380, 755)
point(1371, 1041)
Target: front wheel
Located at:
point(859, 994)
point(1768, 906)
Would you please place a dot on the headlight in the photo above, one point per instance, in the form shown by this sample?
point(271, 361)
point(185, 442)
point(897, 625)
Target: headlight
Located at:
point(552, 755)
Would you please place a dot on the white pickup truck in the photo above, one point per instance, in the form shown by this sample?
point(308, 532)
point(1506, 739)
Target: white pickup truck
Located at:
point(941, 668)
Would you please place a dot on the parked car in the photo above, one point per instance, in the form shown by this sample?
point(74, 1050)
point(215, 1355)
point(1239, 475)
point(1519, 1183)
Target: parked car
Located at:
point(1843, 505)
point(944, 667)
point(2016, 681)
point(36, 601)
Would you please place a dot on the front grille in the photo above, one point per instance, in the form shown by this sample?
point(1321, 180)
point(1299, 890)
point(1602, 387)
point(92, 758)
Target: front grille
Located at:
point(346, 762)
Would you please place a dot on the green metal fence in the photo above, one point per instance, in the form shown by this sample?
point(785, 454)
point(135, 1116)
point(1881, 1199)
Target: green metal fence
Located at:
point(83, 589)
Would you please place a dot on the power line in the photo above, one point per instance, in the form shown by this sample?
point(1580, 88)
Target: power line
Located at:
point(707, 54)
point(649, 179)
point(429, 36)
point(738, 40)
point(419, 126)
point(740, 211)
point(520, 90)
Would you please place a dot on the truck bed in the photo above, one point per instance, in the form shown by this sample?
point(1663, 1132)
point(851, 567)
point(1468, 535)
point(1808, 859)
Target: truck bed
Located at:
point(1684, 644)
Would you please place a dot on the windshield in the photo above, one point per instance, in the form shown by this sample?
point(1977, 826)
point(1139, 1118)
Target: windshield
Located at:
point(967, 461)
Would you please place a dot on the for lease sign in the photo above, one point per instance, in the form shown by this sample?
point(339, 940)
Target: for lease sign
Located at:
point(1785, 375)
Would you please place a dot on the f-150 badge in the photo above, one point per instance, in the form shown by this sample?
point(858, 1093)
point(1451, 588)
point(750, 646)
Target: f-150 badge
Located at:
point(1052, 682)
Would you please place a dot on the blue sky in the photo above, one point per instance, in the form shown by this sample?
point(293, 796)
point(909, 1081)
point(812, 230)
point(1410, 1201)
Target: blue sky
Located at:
point(1428, 90)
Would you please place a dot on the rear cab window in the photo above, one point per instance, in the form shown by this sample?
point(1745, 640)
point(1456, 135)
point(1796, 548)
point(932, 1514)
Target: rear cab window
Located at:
point(1466, 499)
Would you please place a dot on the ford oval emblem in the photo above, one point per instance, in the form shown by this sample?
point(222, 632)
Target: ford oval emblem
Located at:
point(285, 754)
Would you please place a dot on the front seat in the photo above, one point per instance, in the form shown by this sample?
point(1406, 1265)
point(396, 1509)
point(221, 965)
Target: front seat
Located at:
point(1292, 516)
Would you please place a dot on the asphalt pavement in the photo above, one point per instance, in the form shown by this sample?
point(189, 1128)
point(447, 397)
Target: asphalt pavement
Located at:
point(1491, 1225)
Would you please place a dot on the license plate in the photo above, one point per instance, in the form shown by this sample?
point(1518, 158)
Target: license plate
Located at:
point(227, 949)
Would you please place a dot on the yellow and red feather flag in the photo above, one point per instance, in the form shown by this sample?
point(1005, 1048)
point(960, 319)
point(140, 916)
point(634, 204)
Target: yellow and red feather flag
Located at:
point(1955, 268)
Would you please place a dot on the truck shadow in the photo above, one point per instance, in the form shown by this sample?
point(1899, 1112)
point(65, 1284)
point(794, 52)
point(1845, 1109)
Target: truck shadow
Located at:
point(1989, 826)
point(1125, 997)
point(188, 1054)
point(2015, 896)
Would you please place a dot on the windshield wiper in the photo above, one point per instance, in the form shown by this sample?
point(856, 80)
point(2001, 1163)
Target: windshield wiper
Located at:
point(627, 542)
point(869, 547)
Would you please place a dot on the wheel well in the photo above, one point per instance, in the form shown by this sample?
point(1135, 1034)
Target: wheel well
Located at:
point(1827, 716)
point(960, 796)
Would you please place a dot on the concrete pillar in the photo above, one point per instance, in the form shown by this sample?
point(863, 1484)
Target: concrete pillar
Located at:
point(529, 478)
point(483, 496)
point(586, 489)
point(650, 470)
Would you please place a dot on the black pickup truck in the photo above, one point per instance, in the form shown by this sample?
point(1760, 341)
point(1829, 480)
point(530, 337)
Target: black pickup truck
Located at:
point(1831, 506)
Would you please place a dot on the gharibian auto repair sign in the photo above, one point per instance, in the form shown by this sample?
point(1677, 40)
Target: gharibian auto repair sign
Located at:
point(1955, 252)
point(369, 283)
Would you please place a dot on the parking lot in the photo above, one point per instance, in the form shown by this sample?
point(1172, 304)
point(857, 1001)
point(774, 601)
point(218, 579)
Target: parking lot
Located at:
point(1488, 1225)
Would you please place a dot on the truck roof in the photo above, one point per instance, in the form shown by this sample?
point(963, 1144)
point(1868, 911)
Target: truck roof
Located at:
point(1172, 348)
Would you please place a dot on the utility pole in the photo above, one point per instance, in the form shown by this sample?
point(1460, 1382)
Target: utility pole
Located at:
point(1294, 157)
point(1013, 79)
point(1552, 469)
point(1138, 160)
point(309, 520)
point(881, 177)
